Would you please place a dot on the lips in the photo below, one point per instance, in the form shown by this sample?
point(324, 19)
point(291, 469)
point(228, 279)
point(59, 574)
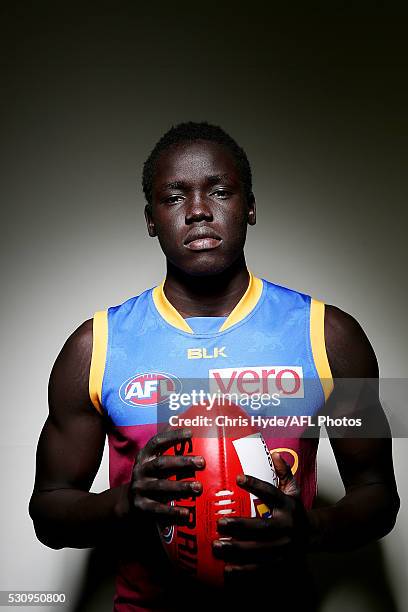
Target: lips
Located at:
point(202, 238)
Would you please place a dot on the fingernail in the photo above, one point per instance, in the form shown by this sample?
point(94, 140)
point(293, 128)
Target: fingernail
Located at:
point(241, 479)
point(196, 486)
point(199, 461)
point(217, 544)
point(223, 522)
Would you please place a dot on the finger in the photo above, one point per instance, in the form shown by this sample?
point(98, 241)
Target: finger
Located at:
point(168, 490)
point(251, 528)
point(166, 439)
point(265, 491)
point(165, 514)
point(168, 465)
point(287, 482)
point(236, 551)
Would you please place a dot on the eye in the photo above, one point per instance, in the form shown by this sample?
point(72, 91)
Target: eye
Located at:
point(221, 194)
point(174, 199)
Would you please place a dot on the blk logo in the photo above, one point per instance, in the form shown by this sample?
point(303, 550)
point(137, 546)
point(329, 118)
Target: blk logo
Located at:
point(202, 353)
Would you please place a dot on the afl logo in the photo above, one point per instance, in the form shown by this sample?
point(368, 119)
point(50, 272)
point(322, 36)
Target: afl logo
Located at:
point(149, 389)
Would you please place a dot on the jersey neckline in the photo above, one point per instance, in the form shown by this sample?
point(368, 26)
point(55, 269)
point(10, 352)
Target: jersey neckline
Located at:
point(243, 308)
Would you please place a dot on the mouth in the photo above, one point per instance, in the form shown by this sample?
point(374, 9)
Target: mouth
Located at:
point(203, 244)
point(202, 239)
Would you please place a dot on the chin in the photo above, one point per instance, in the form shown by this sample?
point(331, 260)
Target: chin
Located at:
point(204, 265)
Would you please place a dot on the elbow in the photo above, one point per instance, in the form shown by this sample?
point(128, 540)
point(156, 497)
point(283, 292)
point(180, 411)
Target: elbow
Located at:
point(389, 515)
point(42, 527)
point(45, 537)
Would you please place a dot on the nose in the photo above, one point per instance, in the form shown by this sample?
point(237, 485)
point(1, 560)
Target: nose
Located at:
point(198, 209)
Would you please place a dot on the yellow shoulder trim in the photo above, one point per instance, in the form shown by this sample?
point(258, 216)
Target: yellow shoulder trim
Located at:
point(167, 310)
point(318, 343)
point(246, 303)
point(99, 348)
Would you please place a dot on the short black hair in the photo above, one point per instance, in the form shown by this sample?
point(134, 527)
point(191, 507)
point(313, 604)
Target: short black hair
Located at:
point(191, 131)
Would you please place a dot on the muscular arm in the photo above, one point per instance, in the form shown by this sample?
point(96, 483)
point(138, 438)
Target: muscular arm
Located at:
point(69, 453)
point(370, 505)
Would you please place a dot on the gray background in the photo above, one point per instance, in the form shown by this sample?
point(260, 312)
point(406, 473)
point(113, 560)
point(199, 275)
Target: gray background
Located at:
point(318, 101)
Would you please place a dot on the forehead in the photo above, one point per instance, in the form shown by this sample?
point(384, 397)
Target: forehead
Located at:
point(194, 161)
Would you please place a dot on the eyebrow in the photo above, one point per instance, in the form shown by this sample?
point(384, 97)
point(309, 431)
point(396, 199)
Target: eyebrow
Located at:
point(174, 185)
point(216, 178)
point(213, 179)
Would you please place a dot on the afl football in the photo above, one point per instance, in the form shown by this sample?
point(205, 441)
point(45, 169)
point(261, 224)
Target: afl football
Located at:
point(229, 449)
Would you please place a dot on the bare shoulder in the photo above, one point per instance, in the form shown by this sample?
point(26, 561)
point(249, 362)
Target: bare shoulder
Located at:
point(68, 389)
point(348, 348)
point(79, 344)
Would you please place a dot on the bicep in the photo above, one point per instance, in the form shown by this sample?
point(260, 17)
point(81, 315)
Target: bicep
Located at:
point(71, 443)
point(69, 454)
point(367, 459)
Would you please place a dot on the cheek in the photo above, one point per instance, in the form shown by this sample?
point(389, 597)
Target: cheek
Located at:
point(166, 241)
point(169, 234)
point(237, 240)
point(233, 214)
point(236, 225)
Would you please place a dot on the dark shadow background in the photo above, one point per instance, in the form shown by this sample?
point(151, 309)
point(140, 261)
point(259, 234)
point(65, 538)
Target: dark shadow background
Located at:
point(317, 97)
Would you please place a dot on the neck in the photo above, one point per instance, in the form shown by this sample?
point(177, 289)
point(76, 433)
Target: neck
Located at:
point(206, 296)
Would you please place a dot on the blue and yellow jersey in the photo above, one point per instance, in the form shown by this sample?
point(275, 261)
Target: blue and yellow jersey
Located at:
point(145, 352)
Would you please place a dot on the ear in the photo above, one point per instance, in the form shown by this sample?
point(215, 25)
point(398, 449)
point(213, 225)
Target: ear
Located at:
point(251, 210)
point(149, 220)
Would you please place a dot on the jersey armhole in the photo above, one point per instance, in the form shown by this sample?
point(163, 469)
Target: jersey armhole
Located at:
point(98, 360)
point(318, 344)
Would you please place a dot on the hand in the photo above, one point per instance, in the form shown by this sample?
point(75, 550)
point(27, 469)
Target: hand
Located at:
point(259, 544)
point(150, 491)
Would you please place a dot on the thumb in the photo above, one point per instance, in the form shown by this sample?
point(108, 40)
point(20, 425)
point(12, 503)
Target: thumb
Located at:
point(287, 482)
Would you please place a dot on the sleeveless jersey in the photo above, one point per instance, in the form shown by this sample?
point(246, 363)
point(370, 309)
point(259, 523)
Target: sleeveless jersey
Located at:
point(145, 352)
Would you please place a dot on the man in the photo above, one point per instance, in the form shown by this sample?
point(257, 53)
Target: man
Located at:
point(197, 182)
